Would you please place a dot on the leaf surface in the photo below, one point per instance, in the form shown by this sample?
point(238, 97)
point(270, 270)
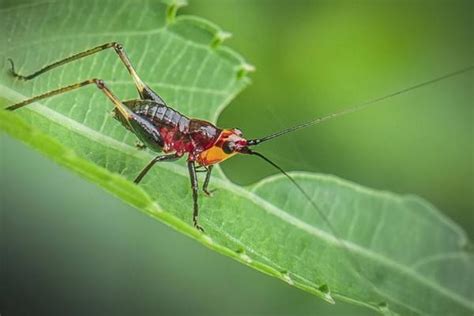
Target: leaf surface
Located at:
point(399, 255)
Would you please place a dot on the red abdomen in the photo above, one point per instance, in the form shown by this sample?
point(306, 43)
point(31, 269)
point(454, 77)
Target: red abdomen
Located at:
point(178, 133)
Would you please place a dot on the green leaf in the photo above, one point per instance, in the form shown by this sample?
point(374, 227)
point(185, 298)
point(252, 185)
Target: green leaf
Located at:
point(400, 255)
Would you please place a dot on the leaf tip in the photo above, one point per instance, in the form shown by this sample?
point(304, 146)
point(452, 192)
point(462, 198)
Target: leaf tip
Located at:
point(244, 69)
point(243, 256)
point(219, 37)
point(324, 289)
point(172, 9)
point(285, 276)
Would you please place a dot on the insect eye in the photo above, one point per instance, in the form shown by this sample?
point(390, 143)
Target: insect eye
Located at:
point(228, 147)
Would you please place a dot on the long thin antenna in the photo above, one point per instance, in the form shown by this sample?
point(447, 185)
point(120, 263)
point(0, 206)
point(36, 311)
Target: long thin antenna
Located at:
point(336, 235)
point(310, 200)
point(357, 107)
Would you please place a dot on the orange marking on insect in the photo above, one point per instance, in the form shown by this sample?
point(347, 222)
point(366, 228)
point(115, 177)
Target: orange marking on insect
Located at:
point(213, 155)
point(217, 153)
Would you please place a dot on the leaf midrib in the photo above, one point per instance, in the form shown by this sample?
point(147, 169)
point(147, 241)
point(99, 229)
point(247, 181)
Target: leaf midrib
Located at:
point(268, 207)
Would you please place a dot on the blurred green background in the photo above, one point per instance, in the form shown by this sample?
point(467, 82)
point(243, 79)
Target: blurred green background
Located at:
point(65, 255)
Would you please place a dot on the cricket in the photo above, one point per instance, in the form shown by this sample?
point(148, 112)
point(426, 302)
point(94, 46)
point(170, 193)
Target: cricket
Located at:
point(173, 135)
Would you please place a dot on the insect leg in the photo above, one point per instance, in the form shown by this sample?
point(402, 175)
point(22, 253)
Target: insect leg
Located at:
point(144, 91)
point(194, 186)
point(206, 181)
point(152, 162)
point(122, 109)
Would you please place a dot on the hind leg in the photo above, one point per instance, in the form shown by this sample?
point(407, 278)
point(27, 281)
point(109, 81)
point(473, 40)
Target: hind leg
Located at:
point(144, 91)
point(124, 111)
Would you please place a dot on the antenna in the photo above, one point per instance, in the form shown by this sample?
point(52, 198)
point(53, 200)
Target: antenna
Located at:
point(357, 107)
